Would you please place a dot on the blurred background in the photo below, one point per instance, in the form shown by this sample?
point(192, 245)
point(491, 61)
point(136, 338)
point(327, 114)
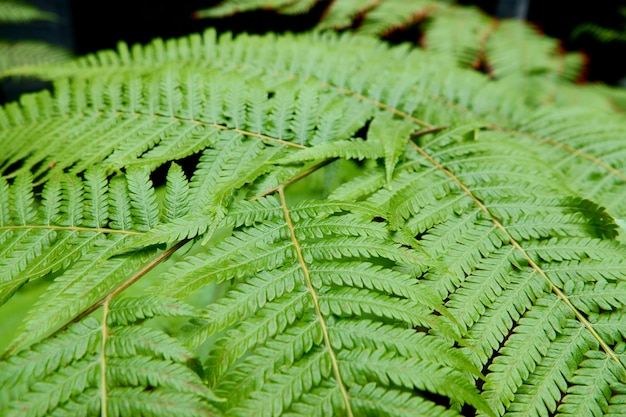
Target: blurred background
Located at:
point(81, 27)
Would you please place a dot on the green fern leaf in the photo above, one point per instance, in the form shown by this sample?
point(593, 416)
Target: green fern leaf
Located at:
point(392, 137)
point(97, 212)
point(595, 375)
point(84, 365)
point(342, 13)
point(420, 376)
point(15, 11)
point(176, 194)
point(371, 399)
point(95, 274)
point(459, 33)
point(129, 310)
point(142, 199)
point(17, 56)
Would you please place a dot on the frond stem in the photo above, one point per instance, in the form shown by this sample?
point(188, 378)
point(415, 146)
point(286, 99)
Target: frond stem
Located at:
point(427, 131)
point(297, 178)
point(103, 371)
point(380, 105)
point(130, 281)
point(259, 136)
point(222, 127)
point(523, 252)
point(316, 305)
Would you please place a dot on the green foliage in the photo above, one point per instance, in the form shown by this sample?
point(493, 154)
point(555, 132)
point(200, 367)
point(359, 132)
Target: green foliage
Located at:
point(464, 34)
point(511, 51)
point(17, 12)
point(601, 33)
point(25, 53)
point(308, 225)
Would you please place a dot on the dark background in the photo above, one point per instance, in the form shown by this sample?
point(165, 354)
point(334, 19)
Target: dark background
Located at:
point(88, 26)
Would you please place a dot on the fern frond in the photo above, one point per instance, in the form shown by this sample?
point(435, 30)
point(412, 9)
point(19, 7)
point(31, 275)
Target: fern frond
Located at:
point(391, 136)
point(130, 341)
point(371, 335)
point(143, 200)
point(15, 56)
point(469, 42)
point(238, 6)
point(523, 349)
point(280, 351)
point(176, 194)
point(609, 325)
point(616, 405)
point(97, 211)
point(460, 33)
point(69, 226)
point(542, 390)
point(348, 149)
point(594, 377)
point(17, 12)
point(389, 371)
point(42, 388)
point(283, 388)
point(128, 310)
point(276, 297)
point(422, 93)
point(49, 355)
point(474, 236)
point(371, 399)
point(510, 370)
point(603, 34)
point(535, 53)
point(392, 15)
point(136, 401)
point(82, 286)
point(342, 13)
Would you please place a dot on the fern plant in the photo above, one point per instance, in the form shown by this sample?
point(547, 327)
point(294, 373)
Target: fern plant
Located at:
point(304, 225)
